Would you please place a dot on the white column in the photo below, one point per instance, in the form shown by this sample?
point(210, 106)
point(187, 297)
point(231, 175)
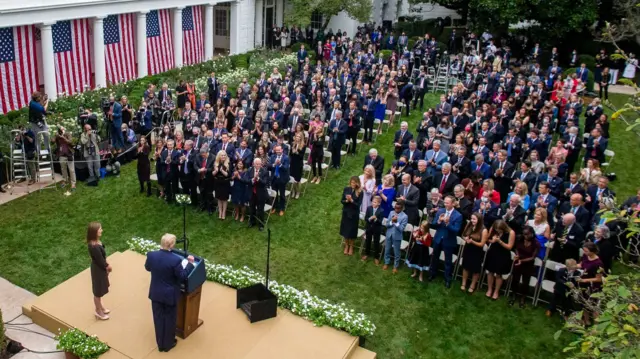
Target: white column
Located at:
point(98, 52)
point(258, 23)
point(177, 36)
point(141, 44)
point(208, 31)
point(234, 29)
point(280, 12)
point(48, 65)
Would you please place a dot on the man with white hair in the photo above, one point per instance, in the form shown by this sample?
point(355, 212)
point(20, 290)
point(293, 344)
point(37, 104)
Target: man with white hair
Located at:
point(377, 161)
point(337, 136)
point(568, 237)
point(409, 195)
point(574, 146)
point(513, 213)
point(401, 139)
point(167, 275)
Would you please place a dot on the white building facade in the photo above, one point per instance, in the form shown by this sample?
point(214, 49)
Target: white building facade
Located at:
point(237, 26)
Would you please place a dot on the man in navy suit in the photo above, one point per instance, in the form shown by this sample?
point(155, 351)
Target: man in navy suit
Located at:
point(302, 55)
point(544, 199)
point(338, 134)
point(257, 177)
point(447, 223)
point(596, 192)
point(170, 157)
point(596, 145)
point(167, 272)
point(480, 166)
point(583, 73)
point(412, 154)
point(279, 167)
point(226, 146)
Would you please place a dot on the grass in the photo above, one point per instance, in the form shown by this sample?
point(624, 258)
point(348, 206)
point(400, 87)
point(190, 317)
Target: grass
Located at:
point(42, 245)
point(625, 145)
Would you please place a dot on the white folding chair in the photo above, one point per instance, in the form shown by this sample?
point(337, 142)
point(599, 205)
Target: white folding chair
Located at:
point(547, 285)
point(608, 158)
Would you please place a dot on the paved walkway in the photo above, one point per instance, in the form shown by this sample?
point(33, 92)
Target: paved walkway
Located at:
point(12, 298)
point(620, 89)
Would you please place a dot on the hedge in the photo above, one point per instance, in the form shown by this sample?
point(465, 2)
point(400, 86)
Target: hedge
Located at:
point(588, 60)
point(590, 77)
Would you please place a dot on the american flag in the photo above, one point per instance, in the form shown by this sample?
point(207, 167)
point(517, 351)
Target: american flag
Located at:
point(192, 35)
point(72, 56)
point(18, 67)
point(119, 50)
point(159, 44)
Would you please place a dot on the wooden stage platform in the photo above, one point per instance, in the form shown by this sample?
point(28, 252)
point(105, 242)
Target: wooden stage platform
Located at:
point(225, 334)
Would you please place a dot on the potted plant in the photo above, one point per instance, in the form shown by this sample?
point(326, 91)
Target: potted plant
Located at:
point(78, 345)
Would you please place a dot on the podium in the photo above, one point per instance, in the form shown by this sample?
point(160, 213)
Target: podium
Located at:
point(189, 303)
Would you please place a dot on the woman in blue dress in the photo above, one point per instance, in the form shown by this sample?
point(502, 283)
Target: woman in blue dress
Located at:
point(387, 192)
point(381, 107)
point(239, 192)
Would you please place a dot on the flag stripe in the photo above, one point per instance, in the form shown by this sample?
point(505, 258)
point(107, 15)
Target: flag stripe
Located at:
point(192, 35)
point(18, 78)
point(72, 56)
point(159, 42)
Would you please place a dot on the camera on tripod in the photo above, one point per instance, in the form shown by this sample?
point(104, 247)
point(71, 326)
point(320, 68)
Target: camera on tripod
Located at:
point(86, 117)
point(105, 104)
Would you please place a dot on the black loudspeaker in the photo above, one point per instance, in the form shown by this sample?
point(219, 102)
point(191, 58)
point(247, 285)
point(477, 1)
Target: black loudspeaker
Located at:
point(91, 182)
point(82, 170)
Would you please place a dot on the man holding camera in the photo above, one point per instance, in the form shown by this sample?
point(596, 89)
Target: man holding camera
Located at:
point(37, 112)
point(89, 140)
point(65, 154)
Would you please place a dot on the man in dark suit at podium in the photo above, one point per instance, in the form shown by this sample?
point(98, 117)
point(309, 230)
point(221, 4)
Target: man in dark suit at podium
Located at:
point(167, 272)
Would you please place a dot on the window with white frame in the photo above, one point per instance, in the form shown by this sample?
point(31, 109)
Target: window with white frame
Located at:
point(316, 20)
point(222, 21)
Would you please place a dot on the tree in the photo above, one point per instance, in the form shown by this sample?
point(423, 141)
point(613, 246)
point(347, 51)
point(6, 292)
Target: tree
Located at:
point(615, 333)
point(556, 18)
point(300, 11)
point(625, 23)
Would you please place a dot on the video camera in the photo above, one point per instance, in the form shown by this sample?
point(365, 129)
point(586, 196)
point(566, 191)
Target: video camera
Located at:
point(86, 117)
point(105, 104)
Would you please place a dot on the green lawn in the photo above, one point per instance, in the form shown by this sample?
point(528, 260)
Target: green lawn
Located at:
point(42, 244)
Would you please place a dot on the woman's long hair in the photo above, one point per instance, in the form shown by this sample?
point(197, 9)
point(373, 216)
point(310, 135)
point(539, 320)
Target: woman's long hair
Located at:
point(470, 230)
point(92, 231)
point(358, 188)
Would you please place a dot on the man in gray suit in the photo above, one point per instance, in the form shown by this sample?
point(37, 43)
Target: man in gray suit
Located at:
point(409, 196)
point(396, 222)
point(90, 141)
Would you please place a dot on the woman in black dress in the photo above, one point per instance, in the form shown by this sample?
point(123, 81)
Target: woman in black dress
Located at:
point(160, 166)
point(231, 113)
point(498, 262)
point(181, 93)
point(296, 158)
point(351, 201)
point(419, 258)
point(527, 249)
point(222, 182)
point(475, 237)
point(239, 192)
point(316, 140)
point(144, 165)
point(100, 269)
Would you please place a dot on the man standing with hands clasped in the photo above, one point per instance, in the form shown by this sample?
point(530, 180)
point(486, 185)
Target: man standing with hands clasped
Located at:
point(446, 222)
point(167, 272)
point(396, 222)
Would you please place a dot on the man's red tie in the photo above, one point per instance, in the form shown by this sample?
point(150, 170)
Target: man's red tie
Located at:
point(443, 183)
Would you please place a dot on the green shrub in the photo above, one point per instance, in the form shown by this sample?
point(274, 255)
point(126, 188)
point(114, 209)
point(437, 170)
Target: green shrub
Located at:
point(441, 46)
point(589, 60)
point(296, 47)
point(590, 77)
point(386, 54)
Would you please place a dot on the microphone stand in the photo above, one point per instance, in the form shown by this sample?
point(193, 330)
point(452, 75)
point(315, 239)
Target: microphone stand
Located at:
point(184, 240)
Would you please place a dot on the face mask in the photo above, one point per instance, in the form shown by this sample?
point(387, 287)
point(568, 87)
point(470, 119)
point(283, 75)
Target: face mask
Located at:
point(402, 163)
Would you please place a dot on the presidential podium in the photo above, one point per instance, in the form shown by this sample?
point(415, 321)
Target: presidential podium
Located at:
point(188, 319)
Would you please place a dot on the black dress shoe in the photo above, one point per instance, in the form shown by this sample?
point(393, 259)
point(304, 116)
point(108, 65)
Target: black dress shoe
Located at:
point(431, 278)
point(250, 225)
point(512, 301)
point(261, 228)
point(175, 342)
point(447, 285)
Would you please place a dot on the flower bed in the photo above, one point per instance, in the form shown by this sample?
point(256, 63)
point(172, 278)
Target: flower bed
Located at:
point(319, 311)
point(76, 342)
